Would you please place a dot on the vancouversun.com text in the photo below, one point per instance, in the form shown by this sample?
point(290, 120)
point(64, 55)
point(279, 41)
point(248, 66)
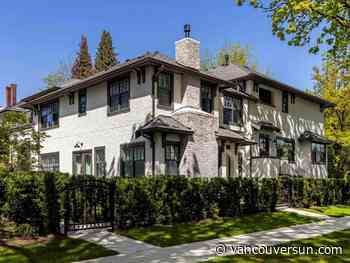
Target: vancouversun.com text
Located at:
point(241, 250)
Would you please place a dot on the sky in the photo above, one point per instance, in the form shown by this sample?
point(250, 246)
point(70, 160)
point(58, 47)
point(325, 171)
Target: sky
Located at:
point(35, 36)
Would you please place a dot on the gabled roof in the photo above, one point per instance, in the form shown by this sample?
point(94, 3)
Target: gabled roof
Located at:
point(236, 72)
point(149, 58)
point(165, 123)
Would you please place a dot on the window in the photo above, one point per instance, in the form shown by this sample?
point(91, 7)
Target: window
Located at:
point(233, 109)
point(285, 149)
point(285, 102)
point(172, 158)
point(292, 98)
point(71, 98)
point(118, 95)
point(318, 153)
point(141, 75)
point(265, 96)
point(133, 160)
point(49, 115)
point(256, 87)
point(264, 145)
point(207, 97)
point(100, 161)
point(50, 162)
point(165, 86)
point(82, 101)
point(82, 163)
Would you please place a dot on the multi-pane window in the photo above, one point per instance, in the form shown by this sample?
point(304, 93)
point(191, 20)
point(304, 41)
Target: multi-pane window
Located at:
point(265, 96)
point(82, 101)
point(292, 98)
point(207, 97)
point(264, 145)
point(165, 86)
point(118, 94)
point(233, 109)
point(133, 160)
point(49, 115)
point(172, 157)
point(82, 163)
point(71, 98)
point(285, 149)
point(285, 102)
point(100, 161)
point(50, 162)
point(318, 153)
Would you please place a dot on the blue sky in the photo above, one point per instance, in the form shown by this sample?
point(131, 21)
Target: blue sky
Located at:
point(36, 35)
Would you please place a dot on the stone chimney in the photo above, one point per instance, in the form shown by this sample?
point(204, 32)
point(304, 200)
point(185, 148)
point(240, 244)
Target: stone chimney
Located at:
point(187, 50)
point(11, 93)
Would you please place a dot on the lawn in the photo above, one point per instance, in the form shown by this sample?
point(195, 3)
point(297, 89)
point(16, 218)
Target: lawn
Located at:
point(334, 210)
point(341, 238)
point(54, 250)
point(165, 236)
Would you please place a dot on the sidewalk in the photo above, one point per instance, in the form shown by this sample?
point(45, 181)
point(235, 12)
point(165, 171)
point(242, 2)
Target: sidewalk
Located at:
point(132, 251)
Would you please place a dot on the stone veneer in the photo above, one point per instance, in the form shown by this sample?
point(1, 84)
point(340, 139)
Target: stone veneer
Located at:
point(187, 52)
point(201, 152)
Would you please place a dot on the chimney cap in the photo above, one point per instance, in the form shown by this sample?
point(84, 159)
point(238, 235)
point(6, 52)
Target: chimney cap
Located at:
point(187, 30)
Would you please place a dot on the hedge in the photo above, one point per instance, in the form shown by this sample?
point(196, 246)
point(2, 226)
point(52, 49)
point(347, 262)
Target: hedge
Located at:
point(36, 198)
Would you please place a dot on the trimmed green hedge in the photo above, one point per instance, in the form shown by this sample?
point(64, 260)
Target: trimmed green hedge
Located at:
point(36, 198)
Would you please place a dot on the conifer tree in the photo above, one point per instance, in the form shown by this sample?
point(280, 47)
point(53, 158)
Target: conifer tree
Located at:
point(83, 67)
point(105, 56)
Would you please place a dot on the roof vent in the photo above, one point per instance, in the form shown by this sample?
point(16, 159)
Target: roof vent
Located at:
point(227, 60)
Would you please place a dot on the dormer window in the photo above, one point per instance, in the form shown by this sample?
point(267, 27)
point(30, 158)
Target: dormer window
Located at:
point(265, 96)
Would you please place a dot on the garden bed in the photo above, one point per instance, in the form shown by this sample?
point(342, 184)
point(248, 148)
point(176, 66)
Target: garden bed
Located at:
point(177, 234)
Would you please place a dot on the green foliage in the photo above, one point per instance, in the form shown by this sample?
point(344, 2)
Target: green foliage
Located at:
point(57, 78)
point(333, 84)
point(105, 57)
point(321, 23)
point(19, 142)
point(237, 55)
point(82, 67)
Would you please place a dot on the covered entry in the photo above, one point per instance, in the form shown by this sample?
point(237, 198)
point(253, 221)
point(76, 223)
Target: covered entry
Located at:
point(231, 159)
point(168, 139)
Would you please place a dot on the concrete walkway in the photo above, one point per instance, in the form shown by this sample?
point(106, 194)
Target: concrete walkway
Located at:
point(303, 213)
point(201, 251)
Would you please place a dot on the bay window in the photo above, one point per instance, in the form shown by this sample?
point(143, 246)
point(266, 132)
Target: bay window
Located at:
point(172, 157)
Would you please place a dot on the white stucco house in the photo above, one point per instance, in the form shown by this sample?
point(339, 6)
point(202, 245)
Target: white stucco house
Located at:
point(156, 115)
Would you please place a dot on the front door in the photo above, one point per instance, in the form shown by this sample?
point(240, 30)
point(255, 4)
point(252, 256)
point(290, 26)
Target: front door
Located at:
point(82, 163)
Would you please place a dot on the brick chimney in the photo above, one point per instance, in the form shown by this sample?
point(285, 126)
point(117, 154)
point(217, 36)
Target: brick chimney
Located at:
point(187, 50)
point(11, 92)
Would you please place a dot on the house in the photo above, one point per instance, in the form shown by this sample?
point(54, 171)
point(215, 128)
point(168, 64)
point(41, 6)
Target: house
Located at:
point(157, 115)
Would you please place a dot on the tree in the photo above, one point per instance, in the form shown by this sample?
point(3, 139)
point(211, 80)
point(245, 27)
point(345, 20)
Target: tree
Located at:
point(20, 144)
point(326, 22)
point(82, 67)
point(105, 56)
point(333, 84)
point(236, 53)
point(57, 78)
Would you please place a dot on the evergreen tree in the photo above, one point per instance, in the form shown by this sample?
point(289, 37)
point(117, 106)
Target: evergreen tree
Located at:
point(105, 56)
point(82, 67)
